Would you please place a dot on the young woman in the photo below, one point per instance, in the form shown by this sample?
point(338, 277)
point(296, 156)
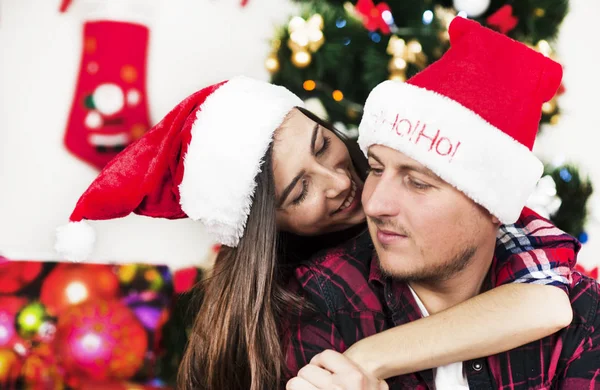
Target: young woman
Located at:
point(274, 184)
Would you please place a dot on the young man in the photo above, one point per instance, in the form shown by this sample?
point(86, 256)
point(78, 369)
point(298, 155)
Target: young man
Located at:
point(450, 156)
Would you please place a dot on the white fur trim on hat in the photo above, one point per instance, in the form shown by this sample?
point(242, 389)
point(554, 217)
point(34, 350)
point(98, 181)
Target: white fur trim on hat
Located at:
point(463, 149)
point(132, 11)
point(75, 241)
point(232, 132)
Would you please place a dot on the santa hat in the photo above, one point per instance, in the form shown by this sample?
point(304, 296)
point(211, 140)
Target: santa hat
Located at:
point(471, 117)
point(199, 162)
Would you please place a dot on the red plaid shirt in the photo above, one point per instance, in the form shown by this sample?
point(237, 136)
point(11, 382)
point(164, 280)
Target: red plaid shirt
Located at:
point(353, 301)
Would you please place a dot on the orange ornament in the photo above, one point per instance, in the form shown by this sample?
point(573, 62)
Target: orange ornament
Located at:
point(41, 371)
point(73, 284)
point(10, 368)
point(90, 45)
point(138, 130)
point(128, 73)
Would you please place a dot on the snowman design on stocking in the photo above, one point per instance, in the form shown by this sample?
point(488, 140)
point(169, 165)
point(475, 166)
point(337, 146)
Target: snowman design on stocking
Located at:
point(110, 107)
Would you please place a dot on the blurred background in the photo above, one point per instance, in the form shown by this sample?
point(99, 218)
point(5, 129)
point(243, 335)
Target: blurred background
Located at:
point(116, 67)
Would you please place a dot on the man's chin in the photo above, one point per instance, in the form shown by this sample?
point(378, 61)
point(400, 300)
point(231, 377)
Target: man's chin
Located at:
point(401, 265)
point(396, 266)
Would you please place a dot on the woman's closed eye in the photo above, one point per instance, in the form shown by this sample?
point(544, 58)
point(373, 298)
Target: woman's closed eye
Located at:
point(324, 148)
point(297, 200)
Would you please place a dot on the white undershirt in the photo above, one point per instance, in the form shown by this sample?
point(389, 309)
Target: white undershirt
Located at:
point(450, 377)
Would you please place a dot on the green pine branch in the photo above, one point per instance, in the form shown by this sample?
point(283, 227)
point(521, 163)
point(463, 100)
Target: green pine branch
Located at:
point(574, 191)
point(353, 60)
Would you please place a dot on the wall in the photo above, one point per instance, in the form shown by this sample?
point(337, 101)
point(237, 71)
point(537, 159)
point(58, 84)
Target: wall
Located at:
point(193, 43)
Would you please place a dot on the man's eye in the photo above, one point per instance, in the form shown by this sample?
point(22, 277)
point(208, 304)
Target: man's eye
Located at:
point(418, 185)
point(374, 171)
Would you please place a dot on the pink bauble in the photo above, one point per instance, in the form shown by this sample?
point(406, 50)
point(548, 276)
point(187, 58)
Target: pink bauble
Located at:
point(100, 340)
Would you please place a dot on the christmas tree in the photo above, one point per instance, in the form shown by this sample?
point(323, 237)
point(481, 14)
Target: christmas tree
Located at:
point(335, 52)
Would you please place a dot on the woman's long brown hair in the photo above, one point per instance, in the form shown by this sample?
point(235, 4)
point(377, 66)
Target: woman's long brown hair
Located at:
point(235, 342)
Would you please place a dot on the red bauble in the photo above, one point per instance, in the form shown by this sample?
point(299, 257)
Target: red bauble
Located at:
point(503, 19)
point(373, 15)
point(100, 340)
point(14, 275)
point(72, 284)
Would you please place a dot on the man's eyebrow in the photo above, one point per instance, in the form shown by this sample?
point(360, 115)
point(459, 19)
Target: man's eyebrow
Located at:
point(408, 167)
point(374, 157)
point(420, 169)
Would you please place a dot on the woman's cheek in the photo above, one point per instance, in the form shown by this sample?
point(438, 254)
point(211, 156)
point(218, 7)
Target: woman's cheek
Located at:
point(307, 220)
point(316, 216)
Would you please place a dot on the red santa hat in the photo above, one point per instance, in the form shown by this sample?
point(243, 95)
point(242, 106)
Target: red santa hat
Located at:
point(199, 162)
point(471, 117)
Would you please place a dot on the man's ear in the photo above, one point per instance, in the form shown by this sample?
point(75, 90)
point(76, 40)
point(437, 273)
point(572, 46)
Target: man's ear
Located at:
point(495, 220)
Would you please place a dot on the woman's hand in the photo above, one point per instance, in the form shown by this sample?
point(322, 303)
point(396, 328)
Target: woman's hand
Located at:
point(359, 354)
point(331, 370)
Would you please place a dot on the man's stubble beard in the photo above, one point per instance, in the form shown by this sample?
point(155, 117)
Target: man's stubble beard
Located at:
point(438, 273)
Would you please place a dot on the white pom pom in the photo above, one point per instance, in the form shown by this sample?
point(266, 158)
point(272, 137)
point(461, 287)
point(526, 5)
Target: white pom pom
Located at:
point(473, 8)
point(75, 241)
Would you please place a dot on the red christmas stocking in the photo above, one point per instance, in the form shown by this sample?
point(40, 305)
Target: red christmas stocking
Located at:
point(110, 106)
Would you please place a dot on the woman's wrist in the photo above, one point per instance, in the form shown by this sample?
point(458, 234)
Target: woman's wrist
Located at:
point(363, 357)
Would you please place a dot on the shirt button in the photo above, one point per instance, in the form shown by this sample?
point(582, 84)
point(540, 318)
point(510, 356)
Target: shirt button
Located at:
point(477, 366)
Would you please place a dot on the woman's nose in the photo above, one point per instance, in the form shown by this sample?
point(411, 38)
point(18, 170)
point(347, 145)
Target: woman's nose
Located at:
point(338, 182)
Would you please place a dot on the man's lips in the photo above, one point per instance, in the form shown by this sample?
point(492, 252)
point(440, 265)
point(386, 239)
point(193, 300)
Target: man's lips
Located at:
point(387, 237)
